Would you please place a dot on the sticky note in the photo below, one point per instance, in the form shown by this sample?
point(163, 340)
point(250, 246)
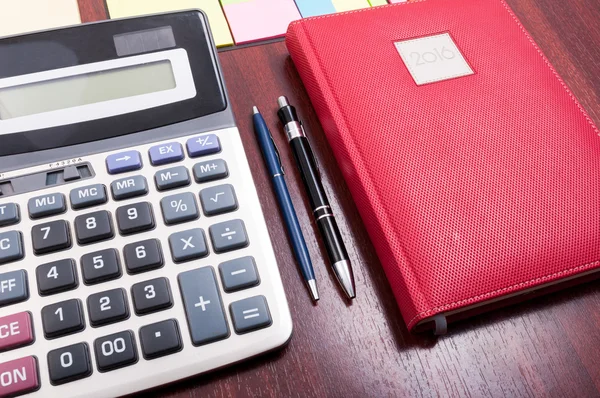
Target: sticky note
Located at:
point(398, 1)
point(348, 5)
point(378, 2)
point(19, 16)
point(311, 8)
point(212, 8)
point(252, 20)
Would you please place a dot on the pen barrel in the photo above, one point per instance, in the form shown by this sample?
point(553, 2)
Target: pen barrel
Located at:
point(309, 171)
point(293, 226)
point(318, 200)
point(336, 251)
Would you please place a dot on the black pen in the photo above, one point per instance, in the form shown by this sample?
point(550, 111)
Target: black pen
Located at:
point(305, 160)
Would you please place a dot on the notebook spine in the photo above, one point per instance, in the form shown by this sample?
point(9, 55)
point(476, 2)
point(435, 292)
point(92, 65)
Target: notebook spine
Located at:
point(398, 270)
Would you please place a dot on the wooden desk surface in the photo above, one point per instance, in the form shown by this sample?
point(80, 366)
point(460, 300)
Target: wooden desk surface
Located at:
point(546, 347)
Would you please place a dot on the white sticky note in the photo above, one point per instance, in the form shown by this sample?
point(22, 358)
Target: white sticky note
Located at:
point(212, 8)
point(20, 16)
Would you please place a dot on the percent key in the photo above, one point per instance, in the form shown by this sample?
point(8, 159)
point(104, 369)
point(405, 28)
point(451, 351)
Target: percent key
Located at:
point(179, 208)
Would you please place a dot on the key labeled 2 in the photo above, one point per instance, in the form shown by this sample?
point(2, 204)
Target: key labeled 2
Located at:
point(107, 307)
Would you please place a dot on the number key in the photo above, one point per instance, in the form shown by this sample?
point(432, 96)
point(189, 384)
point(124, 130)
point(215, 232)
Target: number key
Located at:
point(151, 296)
point(134, 218)
point(50, 237)
point(143, 256)
point(69, 363)
point(62, 318)
point(100, 266)
point(93, 227)
point(56, 277)
point(115, 351)
point(107, 307)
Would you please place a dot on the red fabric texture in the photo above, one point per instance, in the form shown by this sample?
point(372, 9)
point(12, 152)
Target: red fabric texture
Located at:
point(471, 188)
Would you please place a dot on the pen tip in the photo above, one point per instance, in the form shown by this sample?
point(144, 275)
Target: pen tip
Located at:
point(312, 287)
point(254, 110)
point(282, 101)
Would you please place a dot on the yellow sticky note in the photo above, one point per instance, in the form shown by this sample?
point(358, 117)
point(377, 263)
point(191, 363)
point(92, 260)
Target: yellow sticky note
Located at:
point(19, 16)
point(378, 2)
point(212, 8)
point(347, 5)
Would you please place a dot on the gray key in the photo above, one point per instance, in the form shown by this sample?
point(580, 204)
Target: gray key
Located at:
point(179, 208)
point(238, 274)
point(250, 314)
point(11, 246)
point(129, 187)
point(210, 170)
point(228, 235)
point(218, 200)
point(203, 307)
point(46, 205)
point(188, 245)
point(9, 214)
point(88, 196)
point(173, 177)
point(13, 287)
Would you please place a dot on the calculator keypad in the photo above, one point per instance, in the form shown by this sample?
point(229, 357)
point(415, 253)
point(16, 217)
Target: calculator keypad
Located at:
point(142, 259)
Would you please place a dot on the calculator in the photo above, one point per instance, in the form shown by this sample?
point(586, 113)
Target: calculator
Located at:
point(133, 247)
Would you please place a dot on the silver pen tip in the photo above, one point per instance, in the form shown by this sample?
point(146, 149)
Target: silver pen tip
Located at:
point(255, 110)
point(343, 272)
point(282, 101)
point(312, 287)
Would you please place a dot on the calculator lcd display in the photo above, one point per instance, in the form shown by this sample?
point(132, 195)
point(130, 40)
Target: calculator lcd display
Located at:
point(84, 89)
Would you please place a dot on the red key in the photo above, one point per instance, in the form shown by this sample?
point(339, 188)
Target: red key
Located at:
point(15, 331)
point(18, 377)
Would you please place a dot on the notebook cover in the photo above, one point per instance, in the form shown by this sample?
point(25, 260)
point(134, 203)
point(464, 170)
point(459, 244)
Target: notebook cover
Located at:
point(472, 188)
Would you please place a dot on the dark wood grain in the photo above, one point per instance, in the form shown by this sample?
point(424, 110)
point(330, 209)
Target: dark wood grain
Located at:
point(549, 346)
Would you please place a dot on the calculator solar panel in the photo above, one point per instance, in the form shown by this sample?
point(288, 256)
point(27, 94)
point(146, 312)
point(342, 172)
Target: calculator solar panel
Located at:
point(135, 256)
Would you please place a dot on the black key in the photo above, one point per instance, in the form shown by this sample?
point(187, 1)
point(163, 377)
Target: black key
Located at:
point(210, 170)
point(57, 276)
point(93, 227)
point(100, 266)
point(50, 237)
point(107, 307)
point(62, 318)
point(91, 195)
point(143, 256)
point(69, 363)
point(46, 205)
point(160, 339)
point(151, 296)
point(238, 274)
point(203, 307)
point(250, 314)
point(115, 351)
point(134, 218)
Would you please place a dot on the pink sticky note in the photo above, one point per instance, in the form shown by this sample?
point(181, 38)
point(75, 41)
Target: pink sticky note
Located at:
point(252, 20)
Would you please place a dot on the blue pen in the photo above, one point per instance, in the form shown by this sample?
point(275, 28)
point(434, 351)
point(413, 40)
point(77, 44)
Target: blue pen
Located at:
point(271, 156)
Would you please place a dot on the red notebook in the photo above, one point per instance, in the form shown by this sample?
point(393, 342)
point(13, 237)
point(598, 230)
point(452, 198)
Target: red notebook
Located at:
point(474, 168)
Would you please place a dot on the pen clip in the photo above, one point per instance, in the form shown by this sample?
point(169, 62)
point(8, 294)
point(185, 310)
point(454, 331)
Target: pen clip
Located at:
point(277, 153)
